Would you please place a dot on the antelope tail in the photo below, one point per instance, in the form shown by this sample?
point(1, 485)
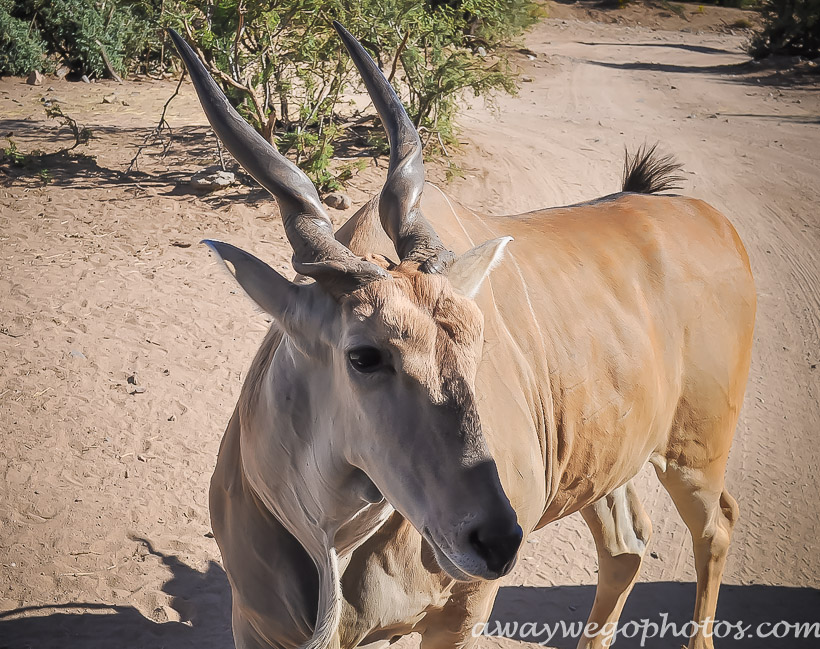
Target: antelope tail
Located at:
point(649, 172)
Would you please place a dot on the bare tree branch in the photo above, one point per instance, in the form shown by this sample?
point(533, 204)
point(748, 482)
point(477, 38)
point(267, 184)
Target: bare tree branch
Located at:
point(156, 135)
point(108, 67)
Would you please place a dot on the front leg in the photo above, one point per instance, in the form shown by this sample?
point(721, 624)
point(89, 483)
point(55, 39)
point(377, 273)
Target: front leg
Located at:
point(621, 530)
point(451, 626)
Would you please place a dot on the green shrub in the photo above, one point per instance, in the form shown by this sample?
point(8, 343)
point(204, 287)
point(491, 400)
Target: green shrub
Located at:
point(76, 32)
point(21, 48)
point(791, 27)
point(283, 65)
point(280, 61)
point(738, 4)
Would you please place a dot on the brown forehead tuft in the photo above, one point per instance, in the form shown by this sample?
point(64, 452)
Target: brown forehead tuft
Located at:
point(410, 294)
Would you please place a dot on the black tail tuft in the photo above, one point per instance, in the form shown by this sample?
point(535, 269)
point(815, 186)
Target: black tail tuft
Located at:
point(649, 172)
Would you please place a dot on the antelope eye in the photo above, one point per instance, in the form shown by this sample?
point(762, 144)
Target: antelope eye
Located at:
point(365, 359)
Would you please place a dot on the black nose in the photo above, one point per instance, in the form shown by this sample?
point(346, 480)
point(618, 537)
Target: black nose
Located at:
point(497, 545)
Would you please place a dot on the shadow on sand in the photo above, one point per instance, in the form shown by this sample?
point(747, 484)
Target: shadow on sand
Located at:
point(202, 600)
point(700, 49)
point(79, 169)
point(757, 606)
point(189, 148)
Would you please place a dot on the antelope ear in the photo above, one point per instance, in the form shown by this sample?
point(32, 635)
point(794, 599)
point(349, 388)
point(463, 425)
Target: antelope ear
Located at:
point(469, 271)
point(306, 312)
point(272, 292)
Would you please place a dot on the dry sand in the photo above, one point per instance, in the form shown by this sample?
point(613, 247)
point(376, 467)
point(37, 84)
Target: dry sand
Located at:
point(104, 532)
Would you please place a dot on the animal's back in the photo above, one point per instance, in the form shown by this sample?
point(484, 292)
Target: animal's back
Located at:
point(628, 313)
point(632, 312)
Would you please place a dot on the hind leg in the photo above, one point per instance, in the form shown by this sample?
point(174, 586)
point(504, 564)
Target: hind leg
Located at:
point(621, 530)
point(710, 513)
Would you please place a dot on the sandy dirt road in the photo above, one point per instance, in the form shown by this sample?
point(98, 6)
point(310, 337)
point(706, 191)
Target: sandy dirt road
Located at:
point(123, 348)
point(755, 155)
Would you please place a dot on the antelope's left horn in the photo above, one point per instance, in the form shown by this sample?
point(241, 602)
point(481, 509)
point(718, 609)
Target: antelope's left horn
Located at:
point(401, 217)
point(316, 253)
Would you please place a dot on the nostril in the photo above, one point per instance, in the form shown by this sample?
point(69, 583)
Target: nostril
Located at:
point(497, 549)
point(477, 544)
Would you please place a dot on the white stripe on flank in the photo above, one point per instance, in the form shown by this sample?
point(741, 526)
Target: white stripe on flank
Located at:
point(544, 451)
point(455, 215)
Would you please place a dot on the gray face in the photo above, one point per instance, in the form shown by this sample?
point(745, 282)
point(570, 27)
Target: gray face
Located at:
point(373, 394)
point(406, 362)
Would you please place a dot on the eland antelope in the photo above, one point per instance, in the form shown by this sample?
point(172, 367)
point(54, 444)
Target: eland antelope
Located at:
point(409, 418)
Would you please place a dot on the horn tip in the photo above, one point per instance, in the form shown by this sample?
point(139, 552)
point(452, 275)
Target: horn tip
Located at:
point(178, 41)
point(346, 36)
point(213, 245)
point(222, 250)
